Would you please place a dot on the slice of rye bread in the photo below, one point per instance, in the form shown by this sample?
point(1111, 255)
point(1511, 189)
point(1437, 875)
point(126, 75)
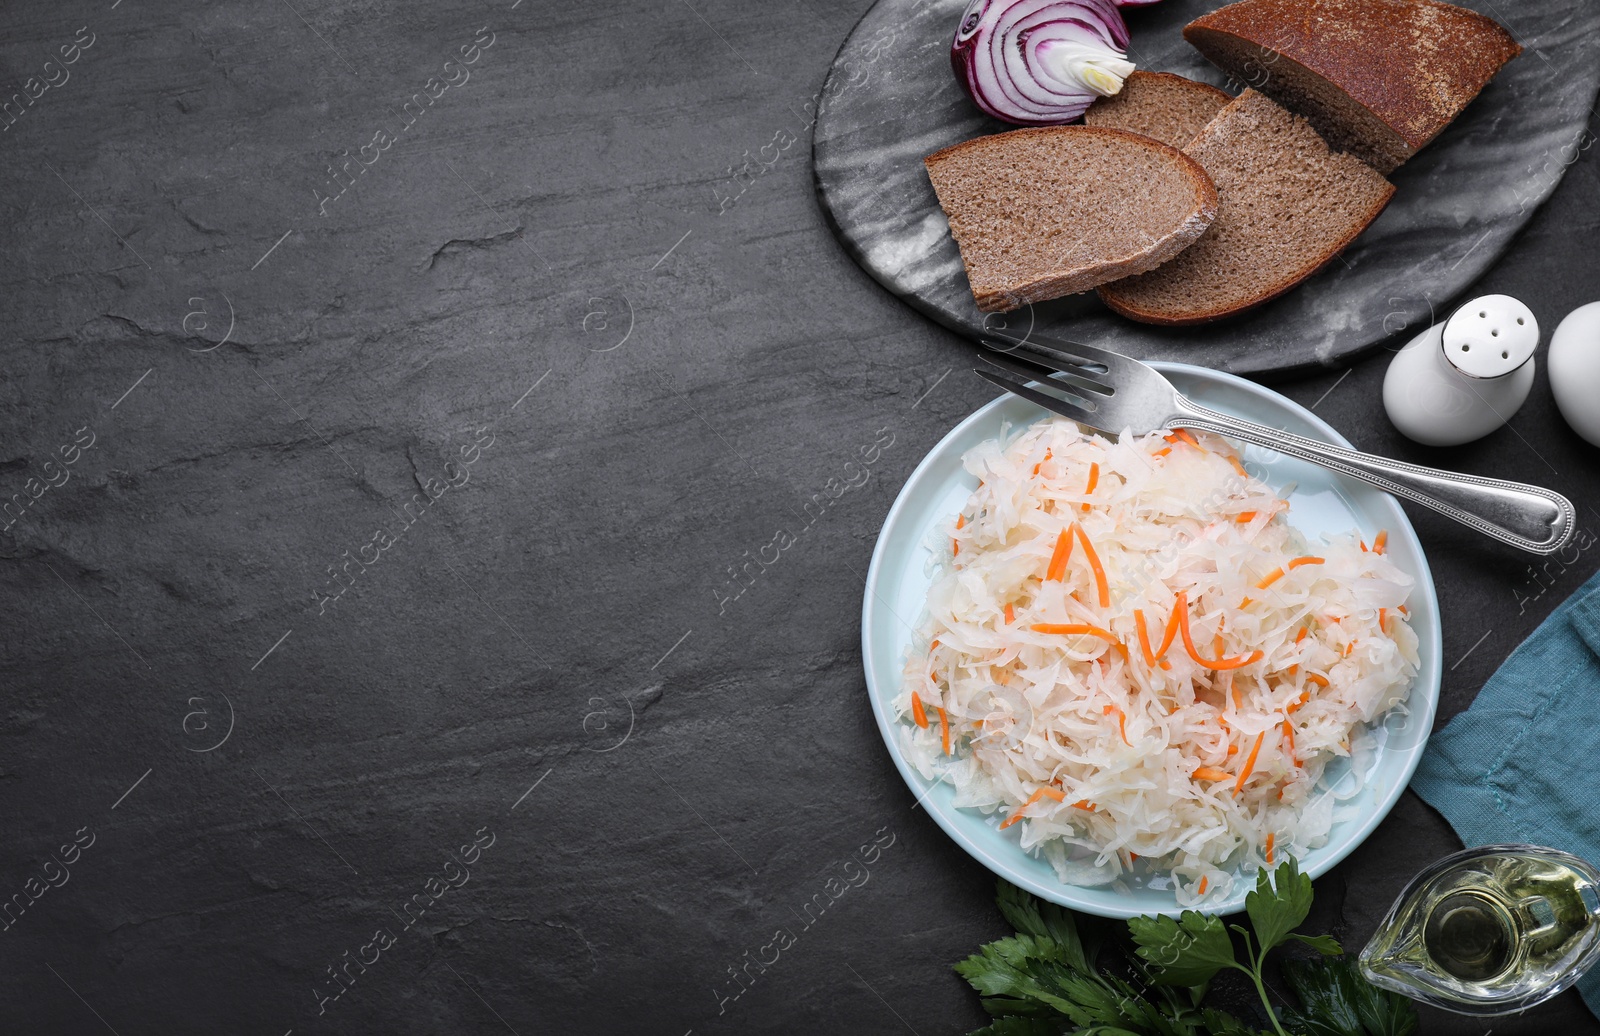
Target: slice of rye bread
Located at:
point(1289, 205)
point(1377, 78)
point(1160, 105)
point(1041, 213)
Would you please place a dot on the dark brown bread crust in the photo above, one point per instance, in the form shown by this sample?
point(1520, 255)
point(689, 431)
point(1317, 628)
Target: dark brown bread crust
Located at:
point(1134, 260)
point(1412, 65)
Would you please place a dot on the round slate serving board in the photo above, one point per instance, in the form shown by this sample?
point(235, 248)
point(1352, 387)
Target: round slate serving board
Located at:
point(891, 98)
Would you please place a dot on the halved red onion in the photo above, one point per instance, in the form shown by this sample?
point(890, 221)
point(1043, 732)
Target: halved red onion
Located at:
point(1040, 62)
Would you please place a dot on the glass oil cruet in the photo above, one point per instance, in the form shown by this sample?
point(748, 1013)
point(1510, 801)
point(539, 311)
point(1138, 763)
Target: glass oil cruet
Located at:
point(1491, 930)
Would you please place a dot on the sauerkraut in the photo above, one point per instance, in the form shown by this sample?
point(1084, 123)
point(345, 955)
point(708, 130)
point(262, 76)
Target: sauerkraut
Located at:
point(1130, 654)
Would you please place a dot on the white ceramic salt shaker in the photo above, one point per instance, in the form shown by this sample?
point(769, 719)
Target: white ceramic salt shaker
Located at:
point(1575, 370)
point(1461, 379)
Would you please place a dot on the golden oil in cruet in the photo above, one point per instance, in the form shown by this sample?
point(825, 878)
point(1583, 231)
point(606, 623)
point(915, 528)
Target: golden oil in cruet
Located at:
point(1490, 930)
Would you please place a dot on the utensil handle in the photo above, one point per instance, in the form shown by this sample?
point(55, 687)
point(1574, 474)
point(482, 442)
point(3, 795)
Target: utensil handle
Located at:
point(1534, 519)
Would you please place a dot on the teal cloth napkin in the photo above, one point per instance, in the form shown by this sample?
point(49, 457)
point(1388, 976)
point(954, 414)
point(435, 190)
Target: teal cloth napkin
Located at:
point(1519, 765)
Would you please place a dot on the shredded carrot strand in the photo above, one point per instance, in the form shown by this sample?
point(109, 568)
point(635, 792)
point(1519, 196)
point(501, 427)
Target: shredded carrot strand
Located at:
point(1245, 516)
point(1233, 749)
point(1270, 839)
point(1211, 773)
point(918, 713)
point(961, 521)
point(1144, 638)
point(1349, 648)
point(1183, 435)
point(1238, 704)
point(1307, 560)
point(1271, 577)
point(1011, 614)
point(1288, 736)
point(1042, 793)
point(1383, 617)
point(1073, 629)
point(955, 548)
point(1094, 564)
point(1060, 556)
point(935, 644)
point(1122, 722)
point(1363, 546)
point(1238, 467)
point(1381, 542)
point(1163, 451)
point(1084, 804)
point(1249, 763)
point(944, 728)
point(1403, 611)
point(1039, 465)
point(1319, 680)
point(1170, 634)
point(1201, 890)
point(1094, 480)
point(1188, 643)
point(1298, 637)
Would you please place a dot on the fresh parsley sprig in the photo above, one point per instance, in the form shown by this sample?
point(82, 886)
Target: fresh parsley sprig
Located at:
point(1190, 950)
point(1046, 980)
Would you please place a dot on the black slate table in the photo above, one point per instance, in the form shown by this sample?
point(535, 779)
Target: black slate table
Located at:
point(431, 579)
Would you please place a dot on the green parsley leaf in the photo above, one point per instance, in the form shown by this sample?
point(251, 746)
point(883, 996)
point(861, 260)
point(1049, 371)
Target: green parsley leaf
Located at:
point(1187, 951)
point(1034, 917)
point(1326, 945)
point(1022, 1027)
point(1279, 903)
point(1338, 1001)
point(1009, 967)
point(1219, 1023)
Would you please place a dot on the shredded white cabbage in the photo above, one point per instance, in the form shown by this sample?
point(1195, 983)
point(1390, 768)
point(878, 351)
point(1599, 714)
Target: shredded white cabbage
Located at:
point(1037, 694)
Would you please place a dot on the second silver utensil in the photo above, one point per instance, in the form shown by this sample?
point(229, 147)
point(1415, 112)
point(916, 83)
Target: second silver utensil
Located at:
point(1113, 393)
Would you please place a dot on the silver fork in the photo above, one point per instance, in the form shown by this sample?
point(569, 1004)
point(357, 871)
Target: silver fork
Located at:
point(1111, 392)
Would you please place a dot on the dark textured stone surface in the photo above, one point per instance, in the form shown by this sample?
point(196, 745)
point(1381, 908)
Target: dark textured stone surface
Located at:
point(696, 391)
point(892, 100)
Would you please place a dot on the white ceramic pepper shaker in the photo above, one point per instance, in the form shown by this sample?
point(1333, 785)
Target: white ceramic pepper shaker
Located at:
point(1461, 379)
point(1575, 370)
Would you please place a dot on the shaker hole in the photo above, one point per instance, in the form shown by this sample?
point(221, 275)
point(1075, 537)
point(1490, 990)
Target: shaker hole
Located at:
point(1505, 356)
point(1495, 333)
point(1519, 320)
point(1466, 348)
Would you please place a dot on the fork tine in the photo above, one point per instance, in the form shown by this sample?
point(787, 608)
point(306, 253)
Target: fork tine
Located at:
point(1057, 352)
point(1035, 370)
point(1051, 403)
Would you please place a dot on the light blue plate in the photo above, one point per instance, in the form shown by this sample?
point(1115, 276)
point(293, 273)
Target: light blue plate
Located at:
point(1322, 502)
